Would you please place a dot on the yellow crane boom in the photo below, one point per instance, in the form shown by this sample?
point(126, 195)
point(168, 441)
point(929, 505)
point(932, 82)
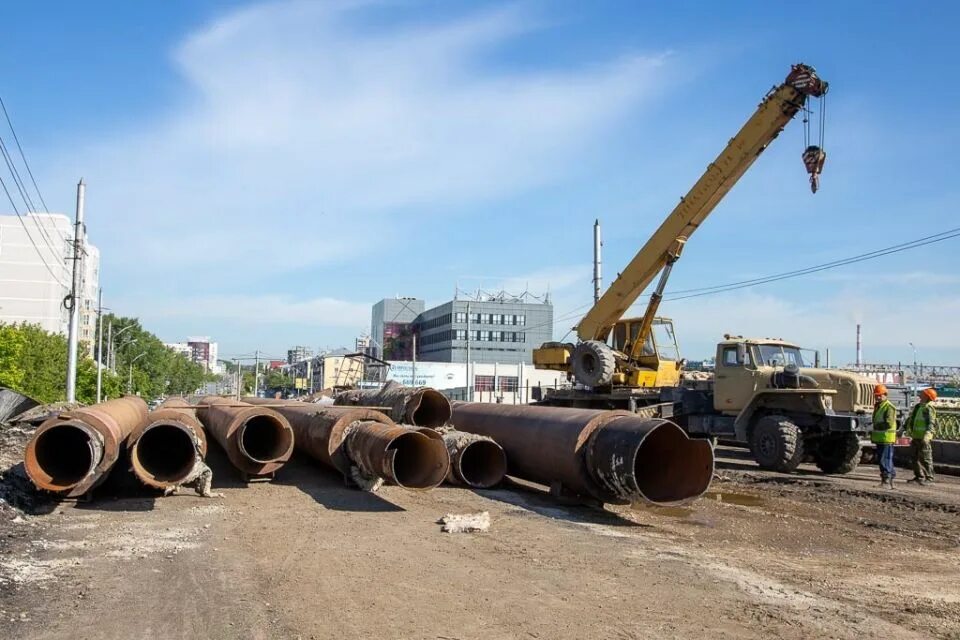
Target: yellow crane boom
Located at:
point(592, 361)
point(664, 247)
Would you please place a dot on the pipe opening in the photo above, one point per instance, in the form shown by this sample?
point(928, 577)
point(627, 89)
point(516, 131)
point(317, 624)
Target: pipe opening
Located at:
point(670, 467)
point(65, 456)
point(432, 410)
point(482, 464)
point(264, 438)
point(418, 461)
point(166, 453)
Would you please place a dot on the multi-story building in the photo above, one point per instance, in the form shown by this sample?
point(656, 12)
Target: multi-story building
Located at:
point(36, 274)
point(298, 353)
point(180, 347)
point(326, 371)
point(204, 351)
point(492, 328)
point(391, 329)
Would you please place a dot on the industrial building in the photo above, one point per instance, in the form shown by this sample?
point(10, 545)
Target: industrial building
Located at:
point(35, 274)
point(298, 353)
point(479, 327)
point(391, 327)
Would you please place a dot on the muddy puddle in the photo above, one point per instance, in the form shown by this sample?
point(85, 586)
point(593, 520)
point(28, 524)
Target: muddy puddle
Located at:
point(686, 511)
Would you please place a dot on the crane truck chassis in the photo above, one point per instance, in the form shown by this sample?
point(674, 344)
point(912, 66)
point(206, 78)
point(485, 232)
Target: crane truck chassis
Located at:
point(762, 394)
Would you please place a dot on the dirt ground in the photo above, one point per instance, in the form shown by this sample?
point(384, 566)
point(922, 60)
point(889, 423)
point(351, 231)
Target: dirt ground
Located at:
point(762, 555)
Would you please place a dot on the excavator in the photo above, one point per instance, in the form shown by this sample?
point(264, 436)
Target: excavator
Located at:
point(786, 414)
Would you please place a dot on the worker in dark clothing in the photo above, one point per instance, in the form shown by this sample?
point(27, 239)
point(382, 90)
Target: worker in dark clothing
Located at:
point(884, 434)
point(920, 425)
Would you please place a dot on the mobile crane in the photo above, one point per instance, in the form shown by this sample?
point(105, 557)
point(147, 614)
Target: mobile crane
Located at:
point(784, 415)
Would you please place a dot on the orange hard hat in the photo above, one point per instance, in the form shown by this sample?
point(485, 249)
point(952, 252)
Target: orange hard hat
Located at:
point(929, 394)
point(880, 390)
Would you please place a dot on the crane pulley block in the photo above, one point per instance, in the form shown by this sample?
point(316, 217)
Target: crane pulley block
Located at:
point(813, 159)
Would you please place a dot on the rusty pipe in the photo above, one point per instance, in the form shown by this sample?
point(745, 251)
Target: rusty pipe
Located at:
point(611, 456)
point(168, 445)
point(346, 438)
point(475, 461)
point(413, 458)
point(258, 440)
point(72, 453)
point(420, 406)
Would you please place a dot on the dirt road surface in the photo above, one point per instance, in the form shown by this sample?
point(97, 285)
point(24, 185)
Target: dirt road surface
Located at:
point(762, 555)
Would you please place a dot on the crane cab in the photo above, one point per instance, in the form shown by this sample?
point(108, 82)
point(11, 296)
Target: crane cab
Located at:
point(658, 363)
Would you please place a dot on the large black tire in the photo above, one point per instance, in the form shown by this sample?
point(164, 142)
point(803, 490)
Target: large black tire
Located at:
point(593, 364)
point(777, 444)
point(838, 453)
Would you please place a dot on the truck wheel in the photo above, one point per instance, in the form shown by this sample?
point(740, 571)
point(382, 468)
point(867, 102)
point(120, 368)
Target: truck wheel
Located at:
point(593, 363)
point(838, 453)
point(777, 444)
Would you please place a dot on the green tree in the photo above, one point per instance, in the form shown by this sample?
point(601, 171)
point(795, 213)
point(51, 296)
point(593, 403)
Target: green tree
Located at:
point(34, 362)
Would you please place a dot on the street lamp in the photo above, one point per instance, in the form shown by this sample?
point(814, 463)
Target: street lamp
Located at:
point(915, 381)
point(130, 379)
point(111, 354)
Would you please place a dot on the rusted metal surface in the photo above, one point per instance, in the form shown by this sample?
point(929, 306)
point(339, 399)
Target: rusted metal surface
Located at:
point(420, 406)
point(166, 448)
point(414, 458)
point(475, 461)
point(321, 430)
point(257, 439)
point(352, 439)
point(73, 452)
point(610, 456)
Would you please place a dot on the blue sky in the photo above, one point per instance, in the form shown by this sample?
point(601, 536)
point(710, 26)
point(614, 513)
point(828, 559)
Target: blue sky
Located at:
point(264, 172)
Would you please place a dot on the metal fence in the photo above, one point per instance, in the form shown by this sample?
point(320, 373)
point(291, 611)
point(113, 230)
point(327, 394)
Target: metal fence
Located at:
point(948, 425)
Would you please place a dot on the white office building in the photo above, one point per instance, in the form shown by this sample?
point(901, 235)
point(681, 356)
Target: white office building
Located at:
point(36, 270)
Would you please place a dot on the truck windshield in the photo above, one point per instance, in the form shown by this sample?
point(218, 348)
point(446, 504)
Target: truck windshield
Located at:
point(776, 355)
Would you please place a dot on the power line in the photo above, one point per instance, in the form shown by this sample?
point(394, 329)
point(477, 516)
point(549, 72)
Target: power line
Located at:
point(23, 155)
point(922, 242)
point(21, 185)
point(742, 284)
point(29, 236)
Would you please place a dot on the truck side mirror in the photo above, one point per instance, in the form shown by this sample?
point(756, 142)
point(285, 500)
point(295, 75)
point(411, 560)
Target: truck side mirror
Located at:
point(741, 353)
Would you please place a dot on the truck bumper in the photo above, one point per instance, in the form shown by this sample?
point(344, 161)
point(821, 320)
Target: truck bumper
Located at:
point(848, 423)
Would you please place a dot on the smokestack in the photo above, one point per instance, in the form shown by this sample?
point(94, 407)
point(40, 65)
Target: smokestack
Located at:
point(859, 348)
point(597, 244)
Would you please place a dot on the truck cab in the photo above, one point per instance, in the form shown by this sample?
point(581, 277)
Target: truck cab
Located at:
point(786, 407)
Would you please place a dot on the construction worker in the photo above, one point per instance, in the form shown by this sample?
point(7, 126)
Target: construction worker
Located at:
point(920, 425)
point(884, 434)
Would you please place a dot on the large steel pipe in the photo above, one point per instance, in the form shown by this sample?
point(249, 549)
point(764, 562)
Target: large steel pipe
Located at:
point(611, 456)
point(73, 452)
point(420, 406)
point(349, 439)
point(167, 447)
point(258, 440)
point(410, 458)
point(475, 461)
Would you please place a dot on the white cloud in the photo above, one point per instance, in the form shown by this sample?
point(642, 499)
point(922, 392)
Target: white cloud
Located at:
point(304, 134)
point(257, 310)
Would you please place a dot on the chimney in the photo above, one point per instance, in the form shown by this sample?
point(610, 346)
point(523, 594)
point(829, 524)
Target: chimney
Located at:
point(859, 348)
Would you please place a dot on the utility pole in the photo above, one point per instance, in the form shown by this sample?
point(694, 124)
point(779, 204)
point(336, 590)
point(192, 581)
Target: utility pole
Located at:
point(469, 382)
point(239, 377)
point(110, 345)
point(597, 244)
point(72, 335)
point(413, 369)
point(256, 375)
point(99, 344)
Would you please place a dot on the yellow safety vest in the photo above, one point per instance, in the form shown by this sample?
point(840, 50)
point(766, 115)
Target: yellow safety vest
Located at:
point(920, 420)
point(884, 424)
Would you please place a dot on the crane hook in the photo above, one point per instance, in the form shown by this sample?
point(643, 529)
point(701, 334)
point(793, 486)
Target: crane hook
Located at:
point(813, 159)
